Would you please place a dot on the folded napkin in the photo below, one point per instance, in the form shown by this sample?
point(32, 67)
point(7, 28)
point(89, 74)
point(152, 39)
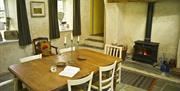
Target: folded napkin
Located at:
point(69, 71)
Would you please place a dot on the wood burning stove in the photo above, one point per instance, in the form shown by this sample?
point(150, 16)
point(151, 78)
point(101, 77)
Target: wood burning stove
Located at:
point(146, 51)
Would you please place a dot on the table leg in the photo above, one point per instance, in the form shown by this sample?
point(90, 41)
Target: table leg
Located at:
point(15, 84)
point(19, 85)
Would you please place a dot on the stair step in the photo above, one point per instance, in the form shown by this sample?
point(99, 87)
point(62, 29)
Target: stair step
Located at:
point(98, 49)
point(84, 45)
point(95, 43)
point(95, 40)
point(101, 38)
point(101, 34)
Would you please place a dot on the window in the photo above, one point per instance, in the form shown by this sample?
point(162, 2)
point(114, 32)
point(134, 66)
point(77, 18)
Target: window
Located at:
point(65, 14)
point(60, 6)
point(2, 15)
point(5, 19)
point(2, 19)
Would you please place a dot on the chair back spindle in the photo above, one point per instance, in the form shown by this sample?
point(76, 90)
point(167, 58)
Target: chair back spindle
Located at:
point(113, 50)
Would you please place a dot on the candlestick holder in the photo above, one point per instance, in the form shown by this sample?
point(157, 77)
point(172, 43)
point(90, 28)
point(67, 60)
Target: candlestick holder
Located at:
point(71, 61)
point(77, 48)
point(65, 45)
point(77, 44)
point(71, 46)
point(78, 56)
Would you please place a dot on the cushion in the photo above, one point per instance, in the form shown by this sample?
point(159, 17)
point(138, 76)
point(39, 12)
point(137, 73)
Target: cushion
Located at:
point(45, 48)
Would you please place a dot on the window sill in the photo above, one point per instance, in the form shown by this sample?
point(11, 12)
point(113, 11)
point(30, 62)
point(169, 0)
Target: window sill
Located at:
point(65, 30)
point(8, 41)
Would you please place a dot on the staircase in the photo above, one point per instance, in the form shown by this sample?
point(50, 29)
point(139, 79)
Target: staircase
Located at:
point(94, 42)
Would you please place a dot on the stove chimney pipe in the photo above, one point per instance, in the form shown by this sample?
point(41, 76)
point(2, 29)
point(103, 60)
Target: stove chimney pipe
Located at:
point(149, 19)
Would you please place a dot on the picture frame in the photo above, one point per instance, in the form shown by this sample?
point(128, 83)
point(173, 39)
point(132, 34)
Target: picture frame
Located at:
point(37, 9)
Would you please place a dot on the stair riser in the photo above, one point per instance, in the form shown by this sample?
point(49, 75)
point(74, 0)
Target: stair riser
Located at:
point(96, 44)
point(96, 38)
point(98, 50)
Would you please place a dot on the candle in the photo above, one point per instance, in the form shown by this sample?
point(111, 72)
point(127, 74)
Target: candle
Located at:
point(78, 39)
point(71, 36)
point(64, 40)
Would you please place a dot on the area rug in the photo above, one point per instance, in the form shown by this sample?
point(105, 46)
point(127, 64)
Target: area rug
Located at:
point(137, 79)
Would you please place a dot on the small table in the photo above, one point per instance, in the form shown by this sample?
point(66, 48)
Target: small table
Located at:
point(36, 74)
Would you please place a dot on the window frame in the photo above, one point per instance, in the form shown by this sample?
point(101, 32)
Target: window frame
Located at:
point(66, 27)
point(5, 13)
point(5, 24)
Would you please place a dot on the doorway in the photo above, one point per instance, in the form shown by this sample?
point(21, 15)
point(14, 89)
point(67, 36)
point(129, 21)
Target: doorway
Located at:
point(97, 17)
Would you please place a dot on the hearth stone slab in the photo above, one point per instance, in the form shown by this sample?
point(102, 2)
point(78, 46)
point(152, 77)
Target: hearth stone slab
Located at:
point(147, 69)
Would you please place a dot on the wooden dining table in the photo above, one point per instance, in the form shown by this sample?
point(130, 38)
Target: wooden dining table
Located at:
point(37, 76)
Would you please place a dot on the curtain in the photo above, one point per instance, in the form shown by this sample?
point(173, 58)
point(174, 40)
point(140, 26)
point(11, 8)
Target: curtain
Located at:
point(1, 37)
point(23, 25)
point(53, 20)
point(76, 18)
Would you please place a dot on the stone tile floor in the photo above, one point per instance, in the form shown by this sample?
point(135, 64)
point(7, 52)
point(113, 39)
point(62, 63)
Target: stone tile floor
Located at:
point(124, 87)
point(160, 84)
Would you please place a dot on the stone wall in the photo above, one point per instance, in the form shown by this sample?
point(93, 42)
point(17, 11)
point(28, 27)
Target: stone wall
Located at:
point(126, 22)
point(39, 26)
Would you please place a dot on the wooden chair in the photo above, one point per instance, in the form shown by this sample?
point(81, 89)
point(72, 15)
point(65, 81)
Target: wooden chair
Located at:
point(66, 50)
point(113, 50)
point(116, 52)
point(105, 82)
point(80, 82)
point(8, 82)
point(42, 45)
point(30, 58)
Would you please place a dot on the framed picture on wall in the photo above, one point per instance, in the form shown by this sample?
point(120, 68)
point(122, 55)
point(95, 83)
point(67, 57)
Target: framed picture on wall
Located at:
point(37, 9)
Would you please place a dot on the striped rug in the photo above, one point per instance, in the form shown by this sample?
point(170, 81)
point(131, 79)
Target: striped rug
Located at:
point(137, 79)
